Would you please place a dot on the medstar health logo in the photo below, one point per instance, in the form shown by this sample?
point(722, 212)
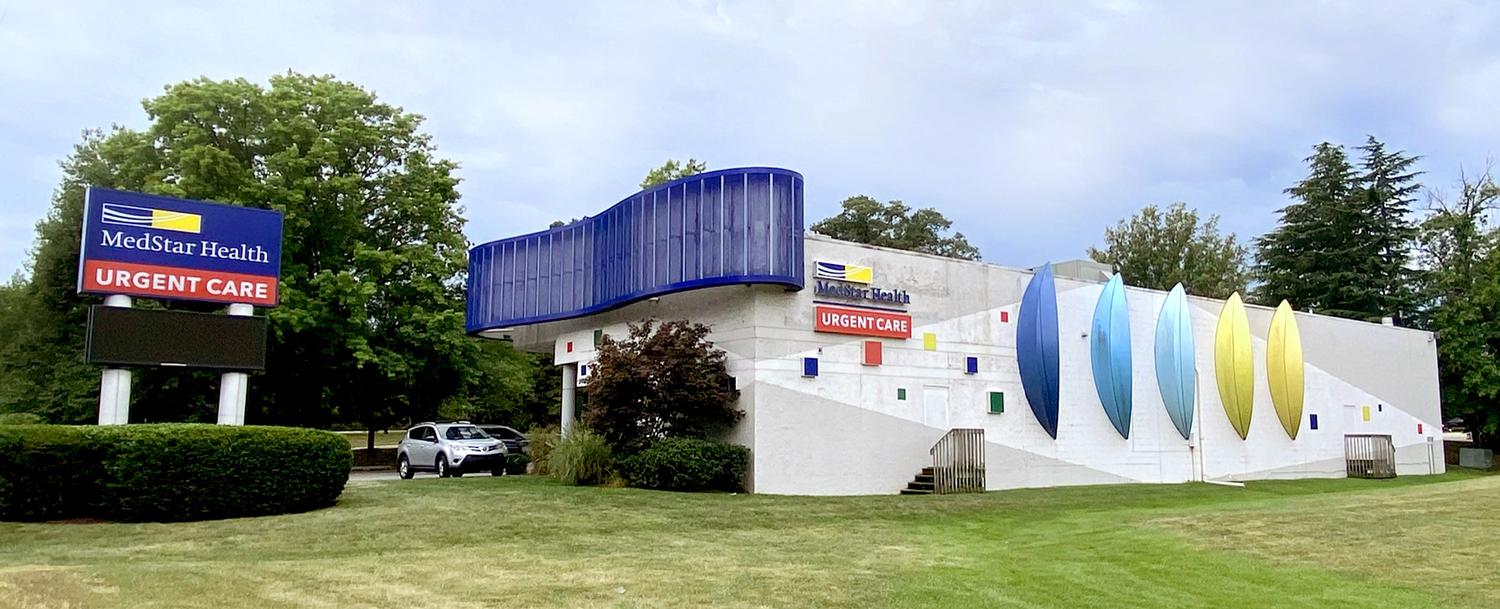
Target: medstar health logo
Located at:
point(145, 217)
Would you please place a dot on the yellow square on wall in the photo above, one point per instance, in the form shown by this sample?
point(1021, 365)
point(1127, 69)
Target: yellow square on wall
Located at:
point(929, 341)
point(1365, 413)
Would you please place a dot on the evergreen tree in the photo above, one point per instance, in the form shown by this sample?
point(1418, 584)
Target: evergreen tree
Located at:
point(1310, 259)
point(1342, 247)
point(1387, 190)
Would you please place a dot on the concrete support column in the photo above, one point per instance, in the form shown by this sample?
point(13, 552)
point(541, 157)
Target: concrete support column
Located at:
point(233, 385)
point(569, 397)
point(114, 385)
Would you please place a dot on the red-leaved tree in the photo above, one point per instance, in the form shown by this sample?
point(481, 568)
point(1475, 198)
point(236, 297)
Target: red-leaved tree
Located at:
point(665, 380)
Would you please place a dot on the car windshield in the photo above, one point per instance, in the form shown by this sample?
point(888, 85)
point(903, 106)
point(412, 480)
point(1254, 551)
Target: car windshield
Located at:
point(466, 432)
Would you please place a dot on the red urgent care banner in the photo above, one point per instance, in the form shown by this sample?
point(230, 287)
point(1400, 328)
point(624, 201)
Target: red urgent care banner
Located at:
point(171, 282)
point(863, 322)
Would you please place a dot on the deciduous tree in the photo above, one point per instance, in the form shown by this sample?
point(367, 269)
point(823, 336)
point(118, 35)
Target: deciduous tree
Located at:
point(370, 326)
point(662, 380)
point(1157, 250)
point(1459, 249)
point(866, 220)
point(672, 170)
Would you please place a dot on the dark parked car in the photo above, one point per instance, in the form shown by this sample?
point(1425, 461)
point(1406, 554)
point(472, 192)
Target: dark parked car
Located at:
point(515, 441)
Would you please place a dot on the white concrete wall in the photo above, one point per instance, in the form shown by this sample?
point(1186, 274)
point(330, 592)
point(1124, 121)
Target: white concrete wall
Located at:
point(1392, 370)
point(845, 432)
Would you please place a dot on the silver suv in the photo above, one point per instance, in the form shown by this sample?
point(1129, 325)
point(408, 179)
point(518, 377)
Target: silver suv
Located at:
point(450, 449)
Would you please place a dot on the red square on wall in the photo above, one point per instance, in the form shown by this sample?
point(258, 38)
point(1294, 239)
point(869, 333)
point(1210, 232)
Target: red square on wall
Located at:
point(1419, 429)
point(873, 355)
point(570, 346)
point(1005, 317)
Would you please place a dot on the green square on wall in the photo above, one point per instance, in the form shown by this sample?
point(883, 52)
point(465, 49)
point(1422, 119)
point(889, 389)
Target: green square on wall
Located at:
point(900, 393)
point(997, 402)
point(598, 338)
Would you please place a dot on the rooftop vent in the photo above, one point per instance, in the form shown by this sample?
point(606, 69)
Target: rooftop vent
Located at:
point(1082, 270)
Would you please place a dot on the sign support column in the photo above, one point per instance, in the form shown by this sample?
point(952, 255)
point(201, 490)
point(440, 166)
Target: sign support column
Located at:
point(233, 385)
point(114, 384)
point(569, 395)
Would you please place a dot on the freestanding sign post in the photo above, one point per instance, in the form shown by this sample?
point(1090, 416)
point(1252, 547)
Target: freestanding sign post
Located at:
point(114, 385)
point(233, 385)
point(136, 244)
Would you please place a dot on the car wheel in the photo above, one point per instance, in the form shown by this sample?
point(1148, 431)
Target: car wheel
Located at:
point(498, 471)
point(403, 467)
point(442, 467)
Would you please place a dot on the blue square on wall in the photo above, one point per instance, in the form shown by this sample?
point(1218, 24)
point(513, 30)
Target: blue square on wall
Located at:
point(1312, 421)
point(971, 365)
point(810, 366)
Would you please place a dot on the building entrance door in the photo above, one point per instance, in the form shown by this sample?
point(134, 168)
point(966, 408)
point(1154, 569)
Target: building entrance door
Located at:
point(935, 406)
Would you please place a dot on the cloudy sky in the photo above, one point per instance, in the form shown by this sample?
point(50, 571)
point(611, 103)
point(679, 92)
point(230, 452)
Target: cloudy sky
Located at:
point(1031, 125)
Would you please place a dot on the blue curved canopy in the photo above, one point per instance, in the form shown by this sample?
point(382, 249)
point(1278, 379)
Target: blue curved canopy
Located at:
point(1036, 348)
point(727, 227)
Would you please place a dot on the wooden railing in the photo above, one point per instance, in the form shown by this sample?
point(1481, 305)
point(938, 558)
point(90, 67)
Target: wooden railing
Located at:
point(958, 462)
point(1369, 456)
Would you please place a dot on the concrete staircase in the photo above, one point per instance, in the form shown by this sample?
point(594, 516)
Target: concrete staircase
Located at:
point(923, 484)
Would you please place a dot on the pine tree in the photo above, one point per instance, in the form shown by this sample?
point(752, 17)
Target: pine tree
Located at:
point(1342, 247)
point(1312, 258)
point(1386, 192)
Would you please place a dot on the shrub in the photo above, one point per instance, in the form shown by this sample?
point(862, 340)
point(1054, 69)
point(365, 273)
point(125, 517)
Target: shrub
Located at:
point(688, 464)
point(515, 463)
point(195, 472)
point(21, 418)
point(542, 440)
point(47, 472)
point(168, 472)
point(581, 459)
point(666, 380)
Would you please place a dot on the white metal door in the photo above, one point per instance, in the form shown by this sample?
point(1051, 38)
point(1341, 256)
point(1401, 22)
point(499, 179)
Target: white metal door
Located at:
point(935, 406)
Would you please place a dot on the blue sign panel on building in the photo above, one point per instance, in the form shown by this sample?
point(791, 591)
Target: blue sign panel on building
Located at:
point(162, 247)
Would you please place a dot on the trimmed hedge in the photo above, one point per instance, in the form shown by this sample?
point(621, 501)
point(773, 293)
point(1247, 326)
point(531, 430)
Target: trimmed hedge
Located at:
point(688, 464)
point(167, 472)
point(21, 418)
point(47, 472)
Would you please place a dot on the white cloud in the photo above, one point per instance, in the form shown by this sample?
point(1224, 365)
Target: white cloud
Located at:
point(1033, 126)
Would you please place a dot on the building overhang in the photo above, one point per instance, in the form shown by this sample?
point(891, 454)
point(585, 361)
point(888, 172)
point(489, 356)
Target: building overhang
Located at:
point(726, 227)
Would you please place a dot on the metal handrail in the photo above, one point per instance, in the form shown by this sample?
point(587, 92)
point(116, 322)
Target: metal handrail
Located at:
point(1369, 456)
point(958, 462)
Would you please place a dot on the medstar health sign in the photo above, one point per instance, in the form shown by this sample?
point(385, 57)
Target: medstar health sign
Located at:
point(160, 247)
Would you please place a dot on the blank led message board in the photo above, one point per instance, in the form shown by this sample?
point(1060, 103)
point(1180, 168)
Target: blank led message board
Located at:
point(120, 336)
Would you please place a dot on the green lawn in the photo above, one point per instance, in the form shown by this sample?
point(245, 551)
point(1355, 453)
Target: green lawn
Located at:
point(524, 542)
